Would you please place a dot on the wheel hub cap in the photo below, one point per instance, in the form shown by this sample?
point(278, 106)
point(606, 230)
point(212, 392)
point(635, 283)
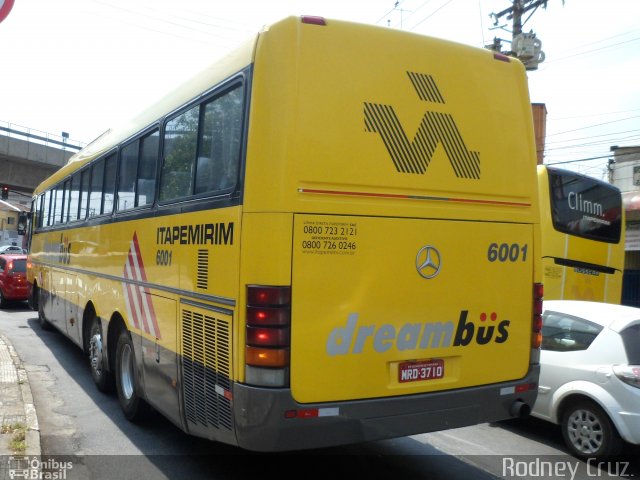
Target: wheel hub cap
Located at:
point(95, 353)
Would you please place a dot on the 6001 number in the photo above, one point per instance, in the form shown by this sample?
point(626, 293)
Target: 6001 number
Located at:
point(507, 252)
point(163, 257)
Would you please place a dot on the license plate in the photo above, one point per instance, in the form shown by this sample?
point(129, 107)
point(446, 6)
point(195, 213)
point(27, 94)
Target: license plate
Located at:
point(420, 370)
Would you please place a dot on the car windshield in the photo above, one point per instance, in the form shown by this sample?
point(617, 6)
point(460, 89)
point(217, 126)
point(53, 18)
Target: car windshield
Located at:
point(565, 333)
point(631, 340)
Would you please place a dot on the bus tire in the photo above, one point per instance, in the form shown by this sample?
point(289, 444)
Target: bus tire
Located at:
point(32, 301)
point(42, 319)
point(588, 431)
point(134, 407)
point(102, 377)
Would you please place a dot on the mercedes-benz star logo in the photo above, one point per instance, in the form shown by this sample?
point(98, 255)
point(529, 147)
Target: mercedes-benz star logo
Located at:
point(428, 262)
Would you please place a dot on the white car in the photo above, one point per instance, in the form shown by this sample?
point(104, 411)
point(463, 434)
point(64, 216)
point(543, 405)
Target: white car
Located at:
point(590, 375)
point(10, 249)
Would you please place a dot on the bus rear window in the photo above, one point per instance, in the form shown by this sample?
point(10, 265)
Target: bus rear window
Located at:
point(584, 207)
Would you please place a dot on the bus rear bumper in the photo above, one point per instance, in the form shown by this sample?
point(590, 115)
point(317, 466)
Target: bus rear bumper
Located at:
point(272, 421)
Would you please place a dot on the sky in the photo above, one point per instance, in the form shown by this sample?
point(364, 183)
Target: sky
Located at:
point(83, 66)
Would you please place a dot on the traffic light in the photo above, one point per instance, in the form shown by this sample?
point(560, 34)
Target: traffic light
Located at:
point(5, 192)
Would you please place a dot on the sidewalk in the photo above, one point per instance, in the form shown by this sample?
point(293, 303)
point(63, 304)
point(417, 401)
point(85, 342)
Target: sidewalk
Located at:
point(19, 430)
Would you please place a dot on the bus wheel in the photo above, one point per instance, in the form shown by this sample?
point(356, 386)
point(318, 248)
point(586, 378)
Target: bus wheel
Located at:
point(102, 377)
point(42, 319)
point(133, 406)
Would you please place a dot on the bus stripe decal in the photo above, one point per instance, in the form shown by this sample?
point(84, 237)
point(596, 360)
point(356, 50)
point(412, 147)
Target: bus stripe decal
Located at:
point(128, 292)
point(133, 297)
point(149, 313)
point(138, 293)
point(141, 292)
point(138, 297)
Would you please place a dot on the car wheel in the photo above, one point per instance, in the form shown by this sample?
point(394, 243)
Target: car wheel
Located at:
point(134, 407)
point(3, 301)
point(588, 431)
point(102, 377)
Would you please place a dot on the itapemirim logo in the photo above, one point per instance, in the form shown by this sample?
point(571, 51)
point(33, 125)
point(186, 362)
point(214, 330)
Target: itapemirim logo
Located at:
point(435, 128)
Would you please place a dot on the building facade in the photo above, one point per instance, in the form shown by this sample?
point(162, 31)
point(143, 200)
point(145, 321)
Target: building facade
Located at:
point(624, 173)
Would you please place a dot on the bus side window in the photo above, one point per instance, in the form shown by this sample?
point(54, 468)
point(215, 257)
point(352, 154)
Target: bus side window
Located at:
point(109, 190)
point(180, 139)
point(84, 193)
point(95, 193)
point(65, 207)
point(39, 205)
point(74, 197)
point(53, 213)
point(128, 172)
point(146, 190)
point(46, 205)
point(219, 145)
point(67, 200)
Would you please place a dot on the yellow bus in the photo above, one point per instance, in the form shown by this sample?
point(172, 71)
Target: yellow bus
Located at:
point(582, 236)
point(327, 237)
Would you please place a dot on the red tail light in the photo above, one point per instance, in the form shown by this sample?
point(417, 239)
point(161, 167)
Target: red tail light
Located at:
point(536, 326)
point(270, 316)
point(268, 339)
point(265, 296)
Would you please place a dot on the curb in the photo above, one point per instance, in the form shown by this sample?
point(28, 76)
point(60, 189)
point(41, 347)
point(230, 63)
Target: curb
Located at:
point(32, 434)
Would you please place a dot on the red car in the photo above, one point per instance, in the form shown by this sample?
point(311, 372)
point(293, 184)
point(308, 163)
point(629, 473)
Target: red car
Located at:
point(13, 278)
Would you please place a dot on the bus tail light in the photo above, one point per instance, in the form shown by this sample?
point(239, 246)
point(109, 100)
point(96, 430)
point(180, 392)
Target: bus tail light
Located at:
point(536, 328)
point(268, 335)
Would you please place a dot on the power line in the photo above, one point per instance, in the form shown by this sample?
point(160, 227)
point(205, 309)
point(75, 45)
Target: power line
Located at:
point(601, 114)
point(568, 57)
point(212, 32)
point(579, 160)
point(429, 16)
point(595, 136)
point(594, 125)
point(396, 5)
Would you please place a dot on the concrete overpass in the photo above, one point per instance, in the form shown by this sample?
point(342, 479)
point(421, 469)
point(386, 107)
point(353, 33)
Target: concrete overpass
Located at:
point(28, 156)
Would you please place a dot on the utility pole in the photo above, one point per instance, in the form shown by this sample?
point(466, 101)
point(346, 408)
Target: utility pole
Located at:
point(524, 46)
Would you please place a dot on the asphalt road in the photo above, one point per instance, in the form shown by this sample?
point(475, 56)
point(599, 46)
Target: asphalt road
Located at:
point(85, 436)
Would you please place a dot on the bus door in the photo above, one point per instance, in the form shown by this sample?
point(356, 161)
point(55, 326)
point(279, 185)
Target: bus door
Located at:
point(72, 315)
point(159, 354)
point(55, 305)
